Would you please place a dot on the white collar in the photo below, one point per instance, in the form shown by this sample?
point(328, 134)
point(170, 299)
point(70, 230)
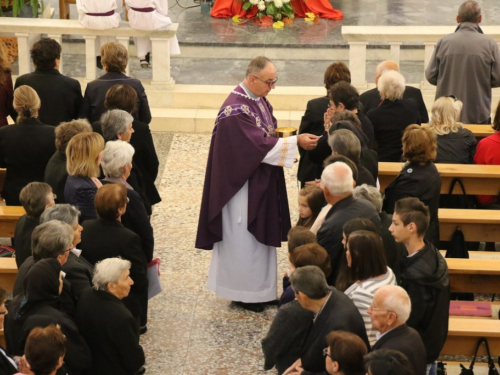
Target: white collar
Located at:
point(76, 251)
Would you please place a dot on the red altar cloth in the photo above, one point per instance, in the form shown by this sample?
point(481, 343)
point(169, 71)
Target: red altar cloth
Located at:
point(322, 8)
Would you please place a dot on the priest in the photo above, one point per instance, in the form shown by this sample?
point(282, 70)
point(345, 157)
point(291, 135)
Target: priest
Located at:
point(244, 212)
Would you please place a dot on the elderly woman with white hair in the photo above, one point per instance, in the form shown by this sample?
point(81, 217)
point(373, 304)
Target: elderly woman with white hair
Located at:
point(456, 144)
point(78, 270)
point(392, 116)
point(117, 124)
point(116, 164)
point(111, 332)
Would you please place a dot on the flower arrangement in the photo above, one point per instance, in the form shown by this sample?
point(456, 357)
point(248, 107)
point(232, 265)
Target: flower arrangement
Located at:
point(17, 5)
point(279, 10)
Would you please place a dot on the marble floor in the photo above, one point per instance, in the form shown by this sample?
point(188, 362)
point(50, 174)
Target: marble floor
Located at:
point(191, 331)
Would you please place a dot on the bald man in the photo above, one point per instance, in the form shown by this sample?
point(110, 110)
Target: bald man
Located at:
point(371, 98)
point(389, 312)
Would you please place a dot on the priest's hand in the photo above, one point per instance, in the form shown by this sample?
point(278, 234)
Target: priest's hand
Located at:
point(307, 141)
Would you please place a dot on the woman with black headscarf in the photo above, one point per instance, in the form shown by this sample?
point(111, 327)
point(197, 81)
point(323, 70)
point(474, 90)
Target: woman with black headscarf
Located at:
point(38, 306)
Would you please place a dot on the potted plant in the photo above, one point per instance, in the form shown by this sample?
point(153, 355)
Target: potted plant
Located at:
point(20, 8)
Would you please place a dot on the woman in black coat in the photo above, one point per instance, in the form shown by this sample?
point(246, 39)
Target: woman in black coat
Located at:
point(38, 306)
point(419, 177)
point(106, 237)
point(26, 147)
point(392, 116)
point(110, 330)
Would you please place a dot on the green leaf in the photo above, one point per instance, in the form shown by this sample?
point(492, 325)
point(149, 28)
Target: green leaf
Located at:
point(271, 9)
point(247, 5)
point(277, 17)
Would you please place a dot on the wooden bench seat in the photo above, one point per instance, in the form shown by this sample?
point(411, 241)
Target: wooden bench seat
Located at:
point(477, 179)
point(8, 273)
point(9, 215)
point(476, 225)
point(474, 275)
point(463, 335)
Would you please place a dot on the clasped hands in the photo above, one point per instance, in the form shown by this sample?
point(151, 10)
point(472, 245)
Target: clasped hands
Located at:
point(307, 141)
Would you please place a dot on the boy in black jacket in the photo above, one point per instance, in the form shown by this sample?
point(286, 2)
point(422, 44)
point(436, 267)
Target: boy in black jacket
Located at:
point(424, 276)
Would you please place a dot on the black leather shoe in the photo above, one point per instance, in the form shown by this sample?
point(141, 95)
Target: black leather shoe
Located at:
point(254, 307)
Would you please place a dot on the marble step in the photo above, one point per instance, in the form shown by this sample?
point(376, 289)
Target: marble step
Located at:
point(202, 120)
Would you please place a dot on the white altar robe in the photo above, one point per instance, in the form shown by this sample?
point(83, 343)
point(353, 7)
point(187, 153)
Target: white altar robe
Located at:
point(99, 23)
point(150, 21)
point(241, 268)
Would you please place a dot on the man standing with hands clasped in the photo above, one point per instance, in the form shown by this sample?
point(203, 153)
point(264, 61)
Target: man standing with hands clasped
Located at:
point(244, 212)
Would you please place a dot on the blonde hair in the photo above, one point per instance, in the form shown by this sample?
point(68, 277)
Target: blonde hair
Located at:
point(445, 115)
point(82, 154)
point(115, 56)
point(26, 102)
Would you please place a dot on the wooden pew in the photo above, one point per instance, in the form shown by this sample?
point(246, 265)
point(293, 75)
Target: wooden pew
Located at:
point(477, 179)
point(477, 225)
point(8, 273)
point(9, 215)
point(474, 275)
point(464, 333)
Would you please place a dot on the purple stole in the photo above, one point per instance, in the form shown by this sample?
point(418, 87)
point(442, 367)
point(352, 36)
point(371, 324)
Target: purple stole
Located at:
point(242, 137)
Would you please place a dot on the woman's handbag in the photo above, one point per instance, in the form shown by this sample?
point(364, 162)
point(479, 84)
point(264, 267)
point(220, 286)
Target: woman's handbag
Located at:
point(491, 365)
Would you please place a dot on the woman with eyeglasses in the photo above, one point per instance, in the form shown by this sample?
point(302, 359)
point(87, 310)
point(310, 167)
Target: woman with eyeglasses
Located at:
point(39, 306)
point(455, 144)
point(344, 354)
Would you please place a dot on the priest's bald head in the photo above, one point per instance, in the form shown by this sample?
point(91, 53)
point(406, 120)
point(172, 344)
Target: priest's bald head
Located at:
point(260, 77)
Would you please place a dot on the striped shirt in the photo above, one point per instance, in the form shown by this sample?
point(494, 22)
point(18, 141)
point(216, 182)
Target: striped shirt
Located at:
point(362, 295)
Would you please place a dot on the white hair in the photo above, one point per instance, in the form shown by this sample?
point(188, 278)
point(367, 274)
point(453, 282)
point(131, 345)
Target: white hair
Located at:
point(337, 179)
point(63, 212)
point(396, 300)
point(391, 85)
point(109, 271)
point(114, 122)
point(369, 193)
point(116, 155)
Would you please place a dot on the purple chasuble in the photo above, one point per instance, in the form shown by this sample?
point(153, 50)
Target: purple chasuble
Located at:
point(242, 137)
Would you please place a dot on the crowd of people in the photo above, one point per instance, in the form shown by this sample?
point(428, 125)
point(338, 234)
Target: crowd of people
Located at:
point(358, 259)
point(83, 168)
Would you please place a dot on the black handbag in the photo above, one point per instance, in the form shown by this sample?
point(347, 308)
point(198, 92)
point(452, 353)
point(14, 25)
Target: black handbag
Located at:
point(491, 365)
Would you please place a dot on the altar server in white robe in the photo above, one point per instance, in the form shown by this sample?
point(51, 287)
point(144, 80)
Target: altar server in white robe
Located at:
point(149, 15)
point(100, 15)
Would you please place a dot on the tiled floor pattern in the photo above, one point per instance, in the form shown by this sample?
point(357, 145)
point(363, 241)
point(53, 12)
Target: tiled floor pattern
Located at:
point(190, 330)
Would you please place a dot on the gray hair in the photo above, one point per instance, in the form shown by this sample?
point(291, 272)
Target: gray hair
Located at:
point(115, 122)
point(51, 239)
point(345, 142)
point(34, 197)
point(63, 212)
point(116, 155)
point(109, 271)
point(391, 85)
point(469, 11)
point(396, 300)
point(337, 179)
point(311, 281)
point(257, 65)
point(369, 193)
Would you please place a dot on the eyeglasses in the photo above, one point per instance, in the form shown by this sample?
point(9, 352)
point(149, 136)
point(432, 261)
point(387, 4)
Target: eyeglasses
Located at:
point(325, 353)
point(269, 83)
point(374, 308)
point(453, 97)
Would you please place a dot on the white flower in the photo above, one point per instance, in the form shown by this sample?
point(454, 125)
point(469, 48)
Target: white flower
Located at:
point(262, 5)
point(268, 1)
point(278, 3)
point(286, 1)
point(254, 2)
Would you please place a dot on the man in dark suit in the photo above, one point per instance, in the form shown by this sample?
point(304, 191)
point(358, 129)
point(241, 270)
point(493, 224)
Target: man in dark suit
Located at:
point(338, 186)
point(389, 312)
point(61, 96)
point(371, 98)
point(114, 58)
point(333, 311)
